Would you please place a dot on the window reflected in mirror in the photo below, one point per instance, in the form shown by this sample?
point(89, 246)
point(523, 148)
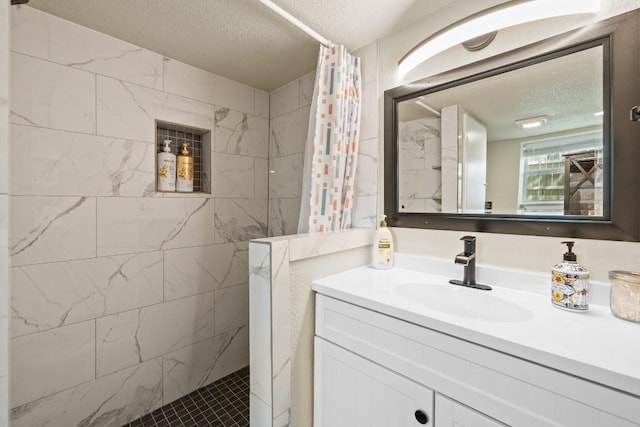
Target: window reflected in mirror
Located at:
point(528, 141)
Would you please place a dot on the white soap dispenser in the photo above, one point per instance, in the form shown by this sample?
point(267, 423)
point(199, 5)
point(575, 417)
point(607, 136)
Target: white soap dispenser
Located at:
point(166, 168)
point(570, 283)
point(382, 249)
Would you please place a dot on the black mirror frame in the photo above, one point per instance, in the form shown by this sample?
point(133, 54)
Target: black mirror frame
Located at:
point(620, 37)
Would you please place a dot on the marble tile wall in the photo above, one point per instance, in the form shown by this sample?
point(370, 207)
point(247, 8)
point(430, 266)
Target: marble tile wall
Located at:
point(4, 189)
point(275, 322)
point(289, 118)
point(123, 299)
point(420, 182)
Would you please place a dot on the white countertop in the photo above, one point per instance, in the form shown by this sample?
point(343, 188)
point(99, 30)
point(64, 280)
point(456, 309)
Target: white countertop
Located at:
point(594, 345)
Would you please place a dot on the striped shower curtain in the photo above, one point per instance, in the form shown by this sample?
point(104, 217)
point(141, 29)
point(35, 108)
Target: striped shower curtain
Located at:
point(332, 143)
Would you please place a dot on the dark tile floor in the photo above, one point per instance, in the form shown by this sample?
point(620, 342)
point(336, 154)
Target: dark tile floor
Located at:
point(224, 403)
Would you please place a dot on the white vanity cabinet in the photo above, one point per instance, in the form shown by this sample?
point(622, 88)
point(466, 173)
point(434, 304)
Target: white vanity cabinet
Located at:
point(354, 392)
point(372, 369)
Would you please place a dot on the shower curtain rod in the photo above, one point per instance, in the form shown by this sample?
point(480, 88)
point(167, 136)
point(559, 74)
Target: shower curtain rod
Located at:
point(295, 21)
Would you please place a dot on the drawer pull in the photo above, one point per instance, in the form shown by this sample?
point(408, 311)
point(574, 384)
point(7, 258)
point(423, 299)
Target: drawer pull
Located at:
point(421, 416)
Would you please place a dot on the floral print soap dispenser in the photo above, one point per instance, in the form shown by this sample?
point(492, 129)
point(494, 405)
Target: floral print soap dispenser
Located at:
point(570, 282)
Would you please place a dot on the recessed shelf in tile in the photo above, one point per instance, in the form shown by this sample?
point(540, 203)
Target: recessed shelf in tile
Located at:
point(199, 141)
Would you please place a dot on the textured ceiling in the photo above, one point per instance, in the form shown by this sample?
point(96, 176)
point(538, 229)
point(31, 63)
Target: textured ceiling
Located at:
point(242, 39)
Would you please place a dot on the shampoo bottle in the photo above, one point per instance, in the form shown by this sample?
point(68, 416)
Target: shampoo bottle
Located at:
point(382, 250)
point(166, 168)
point(570, 283)
point(184, 182)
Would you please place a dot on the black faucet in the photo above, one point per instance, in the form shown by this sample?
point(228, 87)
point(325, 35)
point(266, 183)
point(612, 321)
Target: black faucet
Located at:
point(468, 259)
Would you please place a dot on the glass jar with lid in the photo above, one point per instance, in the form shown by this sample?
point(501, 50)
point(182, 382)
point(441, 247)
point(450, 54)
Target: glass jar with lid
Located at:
point(625, 294)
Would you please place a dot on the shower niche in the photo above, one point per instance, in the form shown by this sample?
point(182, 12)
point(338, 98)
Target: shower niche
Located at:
point(198, 143)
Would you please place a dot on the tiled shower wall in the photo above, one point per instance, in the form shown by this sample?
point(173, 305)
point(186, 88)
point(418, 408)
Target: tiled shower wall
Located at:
point(4, 189)
point(289, 116)
point(122, 299)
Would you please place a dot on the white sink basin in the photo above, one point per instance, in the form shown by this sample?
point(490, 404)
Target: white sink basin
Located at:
point(462, 302)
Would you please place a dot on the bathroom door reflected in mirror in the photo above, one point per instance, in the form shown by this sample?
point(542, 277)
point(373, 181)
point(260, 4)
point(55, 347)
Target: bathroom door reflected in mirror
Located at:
point(528, 141)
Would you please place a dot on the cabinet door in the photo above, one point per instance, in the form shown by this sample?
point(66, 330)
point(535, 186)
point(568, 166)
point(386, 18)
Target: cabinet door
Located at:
point(350, 391)
point(450, 413)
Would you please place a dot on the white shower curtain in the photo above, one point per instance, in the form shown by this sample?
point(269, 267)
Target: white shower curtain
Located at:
point(332, 143)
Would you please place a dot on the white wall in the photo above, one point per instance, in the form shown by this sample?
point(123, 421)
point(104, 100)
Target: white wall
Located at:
point(503, 175)
point(123, 299)
point(524, 252)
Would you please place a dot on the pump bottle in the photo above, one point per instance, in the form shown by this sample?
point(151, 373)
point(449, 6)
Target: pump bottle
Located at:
point(166, 168)
point(382, 250)
point(570, 283)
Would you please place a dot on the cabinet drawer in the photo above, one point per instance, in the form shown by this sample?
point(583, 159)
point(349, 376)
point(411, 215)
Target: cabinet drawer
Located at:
point(514, 391)
point(350, 391)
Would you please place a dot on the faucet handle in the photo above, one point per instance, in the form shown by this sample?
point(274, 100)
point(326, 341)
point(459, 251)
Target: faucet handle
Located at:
point(469, 245)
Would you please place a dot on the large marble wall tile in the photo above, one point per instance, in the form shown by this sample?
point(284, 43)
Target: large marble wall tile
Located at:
point(191, 271)
point(39, 34)
point(185, 80)
point(127, 225)
point(52, 95)
point(47, 362)
point(289, 133)
point(232, 176)
point(195, 366)
point(113, 400)
point(306, 87)
point(57, 163)
point(132, 337)
point(366, 182)
point(261, 103)
point(370, 111)
point(240, 133)
point(421, 183)
point(364, 212)
point(127, 110)
point(47, 229)
point(284, 100)
point(286, 179)
point(238, 220)
point(231, 308)
point(260, 331)
point(283, 216)
point(261, 170)
point(46, 296)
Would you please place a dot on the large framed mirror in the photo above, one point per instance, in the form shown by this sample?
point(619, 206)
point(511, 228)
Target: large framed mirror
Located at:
point(538, 141)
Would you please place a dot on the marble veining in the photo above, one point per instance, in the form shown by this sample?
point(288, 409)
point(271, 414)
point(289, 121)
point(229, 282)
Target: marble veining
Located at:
point(240, 219)
point(231, 308)
point(58, 163)
point(47, 296)
point(46, 229)
point(70, 360)
point(132, 337)
point(232, 176)
point(108, 401)
point(127, 110)
point(192, 367)
point(39, 34)
point(240, 133)
point(283, 216)
point(161, 223)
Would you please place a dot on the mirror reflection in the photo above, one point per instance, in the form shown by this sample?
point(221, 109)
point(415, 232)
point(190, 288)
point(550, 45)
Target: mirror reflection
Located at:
point(523, 142)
